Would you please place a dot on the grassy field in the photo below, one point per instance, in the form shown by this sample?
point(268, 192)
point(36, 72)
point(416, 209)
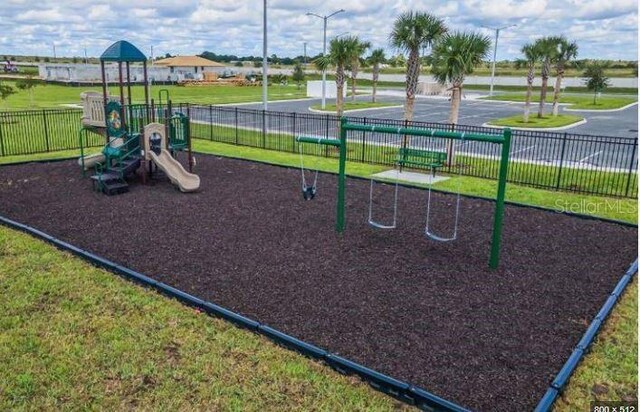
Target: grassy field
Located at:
point(55, 96)
point(536, 122)
point(76, 337)
point(79, 337)
point(582, 101)
point(353, 106)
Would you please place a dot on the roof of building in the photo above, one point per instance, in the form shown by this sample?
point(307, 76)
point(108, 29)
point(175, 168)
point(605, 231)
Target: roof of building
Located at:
point(122, 51)
point(188, 61)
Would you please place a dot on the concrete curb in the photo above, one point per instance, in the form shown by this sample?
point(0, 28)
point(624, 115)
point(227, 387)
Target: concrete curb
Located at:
point(547, 129)
point(602, 110)
point(356, 110)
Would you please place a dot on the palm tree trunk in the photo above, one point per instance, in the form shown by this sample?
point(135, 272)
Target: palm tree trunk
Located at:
point(456, 93)
point(339, 90)
point(413, 73)
point(376, 70)
point(543, 90)
point(354, 75)
point(527, 100)
point(556, 91)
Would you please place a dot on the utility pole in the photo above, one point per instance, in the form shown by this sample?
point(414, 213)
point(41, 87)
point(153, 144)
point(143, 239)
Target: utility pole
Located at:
point(265, 79)
point(54, 50)
point(495, 51)
point(324, 52)
point(305, 55)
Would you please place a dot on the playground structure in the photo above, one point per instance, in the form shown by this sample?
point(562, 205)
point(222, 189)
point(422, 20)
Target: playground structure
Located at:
point(127, 141)
point(414, 158)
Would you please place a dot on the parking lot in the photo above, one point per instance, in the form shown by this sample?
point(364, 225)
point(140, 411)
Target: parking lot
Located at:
point(594, 149)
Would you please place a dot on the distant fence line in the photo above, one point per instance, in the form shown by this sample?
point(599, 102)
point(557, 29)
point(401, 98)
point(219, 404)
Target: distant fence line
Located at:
point(597, 165)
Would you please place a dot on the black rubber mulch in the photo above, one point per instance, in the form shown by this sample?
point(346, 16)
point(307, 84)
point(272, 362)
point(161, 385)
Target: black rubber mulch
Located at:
point(429, 313)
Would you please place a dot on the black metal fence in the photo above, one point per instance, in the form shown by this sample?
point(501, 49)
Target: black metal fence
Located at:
point(598, 165)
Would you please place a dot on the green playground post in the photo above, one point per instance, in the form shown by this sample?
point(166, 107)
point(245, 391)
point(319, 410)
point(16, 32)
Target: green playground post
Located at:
point(341, 176)
point(499, 213)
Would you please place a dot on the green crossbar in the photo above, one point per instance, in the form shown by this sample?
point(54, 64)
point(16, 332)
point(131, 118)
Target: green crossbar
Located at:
point(318, 140)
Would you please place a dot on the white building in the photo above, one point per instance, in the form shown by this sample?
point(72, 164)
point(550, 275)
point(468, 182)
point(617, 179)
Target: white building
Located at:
point(172, 69)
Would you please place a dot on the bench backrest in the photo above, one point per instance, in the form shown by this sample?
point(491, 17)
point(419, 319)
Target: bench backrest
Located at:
point(421, 157)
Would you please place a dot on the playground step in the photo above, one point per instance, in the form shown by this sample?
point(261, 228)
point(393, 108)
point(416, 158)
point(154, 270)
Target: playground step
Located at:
point(127, 166)
point(115, 187)
point(105, 177)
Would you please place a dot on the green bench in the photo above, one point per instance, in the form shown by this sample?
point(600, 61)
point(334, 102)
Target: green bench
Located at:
point(421, 158)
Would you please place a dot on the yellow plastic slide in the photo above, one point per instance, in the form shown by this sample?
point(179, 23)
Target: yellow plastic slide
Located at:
point(187, 182)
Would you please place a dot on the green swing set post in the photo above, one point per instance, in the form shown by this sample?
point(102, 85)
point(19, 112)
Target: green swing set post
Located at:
point(504, 140)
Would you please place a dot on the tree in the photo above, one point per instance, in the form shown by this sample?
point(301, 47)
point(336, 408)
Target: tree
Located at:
point(413, 32)
point(298, 74)
point(375, 60)
point(341, 53)
point(565, 52)
point(454, 57)
point(257, 63)
point(547, 48)
point(5, 91)
point(238, 64)
point(532, 56)
point(354, 66)
point(595, 79)
point(27, 84)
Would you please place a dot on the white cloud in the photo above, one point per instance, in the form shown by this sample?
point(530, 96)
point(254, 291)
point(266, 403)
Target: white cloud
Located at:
point(601, 28)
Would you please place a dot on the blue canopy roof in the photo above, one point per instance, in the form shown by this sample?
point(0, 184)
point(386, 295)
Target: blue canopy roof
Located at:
point(122, 51)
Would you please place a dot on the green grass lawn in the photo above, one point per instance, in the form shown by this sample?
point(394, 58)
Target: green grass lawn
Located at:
point(353, 106)
point(537, 123)
point(75, 337)
point(576, 101)
point(54, 96)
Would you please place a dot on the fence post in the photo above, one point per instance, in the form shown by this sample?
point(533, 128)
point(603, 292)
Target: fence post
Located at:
point(363, 141)
point(293, 135)
point(1, 137)
point(633, 154)
point(264, 129)
point(236, 124)
point(46, 128)
point(564, 144)
point(326, 135)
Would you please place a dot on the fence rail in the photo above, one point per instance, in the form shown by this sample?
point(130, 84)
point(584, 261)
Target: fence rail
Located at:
point(597, 165)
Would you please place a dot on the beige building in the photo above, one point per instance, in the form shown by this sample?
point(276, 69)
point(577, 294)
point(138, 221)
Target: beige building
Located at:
point(190, 67)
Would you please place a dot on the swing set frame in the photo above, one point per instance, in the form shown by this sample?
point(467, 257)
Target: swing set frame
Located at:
point(504, 140)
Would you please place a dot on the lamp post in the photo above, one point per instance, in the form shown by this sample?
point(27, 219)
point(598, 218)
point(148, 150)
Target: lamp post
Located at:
point(495, 50)
point(265, 80)
point(324, 51)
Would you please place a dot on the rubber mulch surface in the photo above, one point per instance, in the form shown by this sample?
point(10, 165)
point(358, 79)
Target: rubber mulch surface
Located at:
point(430, 313)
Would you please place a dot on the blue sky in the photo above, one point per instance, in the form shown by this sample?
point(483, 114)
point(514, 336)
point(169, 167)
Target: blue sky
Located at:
point(603, 29)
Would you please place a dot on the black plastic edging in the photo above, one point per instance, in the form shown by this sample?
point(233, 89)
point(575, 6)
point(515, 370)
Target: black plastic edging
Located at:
point(401, 390)
point(561, 379)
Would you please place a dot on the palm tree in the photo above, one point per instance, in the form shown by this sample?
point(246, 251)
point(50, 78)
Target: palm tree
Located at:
point(341, 53)
point(532, 56)
point(455, 56)
point(375, 60)
point(565, 52)
point(354, 66)
point(547, 48)
point(412, 32)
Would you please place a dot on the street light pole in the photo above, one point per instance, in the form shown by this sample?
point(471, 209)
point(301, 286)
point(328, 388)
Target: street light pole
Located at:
point(324, 52)
point(265, 80)
point(495, 51)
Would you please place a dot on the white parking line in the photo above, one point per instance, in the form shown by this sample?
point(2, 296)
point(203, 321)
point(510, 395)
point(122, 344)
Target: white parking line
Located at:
point(589, 157)
point(522, 150)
